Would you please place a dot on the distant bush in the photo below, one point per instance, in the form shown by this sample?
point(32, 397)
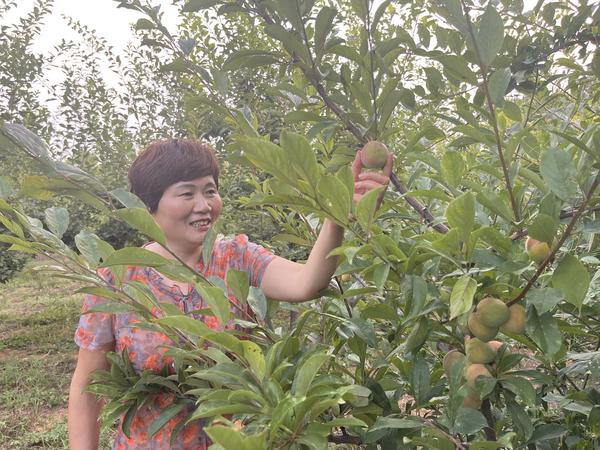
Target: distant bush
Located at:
point(119, 234)
point(10, 263)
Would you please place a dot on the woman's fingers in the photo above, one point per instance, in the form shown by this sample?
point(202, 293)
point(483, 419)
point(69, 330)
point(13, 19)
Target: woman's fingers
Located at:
point(357, 165)
point(367, 185)
point(377, 177)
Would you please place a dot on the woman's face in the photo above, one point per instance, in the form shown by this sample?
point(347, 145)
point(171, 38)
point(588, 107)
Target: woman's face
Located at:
point(186, 211)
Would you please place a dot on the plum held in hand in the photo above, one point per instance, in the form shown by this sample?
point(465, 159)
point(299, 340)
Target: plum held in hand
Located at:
point(374, 155)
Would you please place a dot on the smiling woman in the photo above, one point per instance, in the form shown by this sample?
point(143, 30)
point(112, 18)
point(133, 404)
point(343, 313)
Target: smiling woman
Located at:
point(178, 182)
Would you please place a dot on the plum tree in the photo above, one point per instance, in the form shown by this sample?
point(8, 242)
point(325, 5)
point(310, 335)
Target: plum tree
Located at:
point(471, 104)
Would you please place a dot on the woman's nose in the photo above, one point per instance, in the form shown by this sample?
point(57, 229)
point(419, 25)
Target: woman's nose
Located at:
point(201, 204)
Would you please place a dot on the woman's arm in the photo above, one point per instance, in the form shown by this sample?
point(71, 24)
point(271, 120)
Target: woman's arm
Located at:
point(293, 282)
point(84, 408)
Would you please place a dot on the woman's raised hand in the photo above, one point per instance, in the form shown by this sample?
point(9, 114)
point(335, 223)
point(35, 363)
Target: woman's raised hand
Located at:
point(365, 181)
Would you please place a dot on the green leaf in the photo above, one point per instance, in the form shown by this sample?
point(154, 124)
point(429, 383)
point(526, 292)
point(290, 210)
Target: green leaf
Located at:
point(366, 208)
point(522, 387)
point(469, 421)
point(57, 219)
point(301, 157)
point(127, 199)
point(270, 158)
point(93, 249)
point(237, 281)
point(572, 279)
point(210, 409)
point(217, 301)
point(512, 111)
point(142, 220)
point(334, 197)
point(558, 172)
point(281, 412)
point(461, 214)
point(131, 256)
point(166, 414)
point(453, 13)
point(543, 228)
point(490, 35)
point(306, 372)
point(177, 65)
point(250, 58)
point(290, 41)
point(415, 291)
point(258, 302)
point(394, 423)
point(27, 140)
point(453, 168)
point(457, 67)
point(187, 45)
point(544, 331)
point(208, 244)
point(578, 143)
point(323, 26)
point(232, 439)
point(255, 357)
point(198, 5)
point(144, 24)
point(520, 419)
point(112, 308)
point(407, 98)
point(461, 298)
point(388, 105)
point(6, 187)
point(544, 299)
point(547, 431)
point(594, 420)
point(497, 85)
point(418, 336)
point(187, 325)
point(380, 275)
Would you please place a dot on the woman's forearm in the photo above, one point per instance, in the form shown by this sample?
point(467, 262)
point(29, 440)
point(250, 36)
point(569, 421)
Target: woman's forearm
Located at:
point(319, 268)
point(84, 427)
point(84, 408)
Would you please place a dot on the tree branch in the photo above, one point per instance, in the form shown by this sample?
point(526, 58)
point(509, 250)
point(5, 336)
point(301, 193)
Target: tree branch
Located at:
point(561, 241)
point(513, 201)
point(344, 439)
point(352, 128)
point(563, 215)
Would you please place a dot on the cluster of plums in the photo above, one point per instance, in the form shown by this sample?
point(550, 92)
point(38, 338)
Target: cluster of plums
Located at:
point(491, 316)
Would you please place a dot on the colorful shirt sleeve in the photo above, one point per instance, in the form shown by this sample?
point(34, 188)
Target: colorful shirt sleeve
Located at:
point(95, 329)
point(251, 258)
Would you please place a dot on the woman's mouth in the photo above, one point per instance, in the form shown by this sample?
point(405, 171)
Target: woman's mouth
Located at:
point(202, 223)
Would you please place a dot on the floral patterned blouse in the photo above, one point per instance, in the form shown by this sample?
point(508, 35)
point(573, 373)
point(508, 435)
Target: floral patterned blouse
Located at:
point(147, 348)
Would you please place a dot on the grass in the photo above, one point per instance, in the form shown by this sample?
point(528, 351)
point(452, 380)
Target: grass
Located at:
point(38, 318)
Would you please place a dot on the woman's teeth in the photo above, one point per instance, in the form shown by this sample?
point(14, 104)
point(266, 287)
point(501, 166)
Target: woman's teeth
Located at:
point(200, 223)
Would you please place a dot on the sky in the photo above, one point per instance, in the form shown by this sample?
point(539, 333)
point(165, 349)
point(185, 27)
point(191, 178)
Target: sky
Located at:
point(112, 23)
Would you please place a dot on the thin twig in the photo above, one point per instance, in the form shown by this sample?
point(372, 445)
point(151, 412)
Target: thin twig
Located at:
point(563, 215)
point(561, 241)
point(513, 201)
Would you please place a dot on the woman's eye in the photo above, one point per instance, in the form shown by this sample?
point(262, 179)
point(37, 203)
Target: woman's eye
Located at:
point(211, 192)
point(186, 194)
